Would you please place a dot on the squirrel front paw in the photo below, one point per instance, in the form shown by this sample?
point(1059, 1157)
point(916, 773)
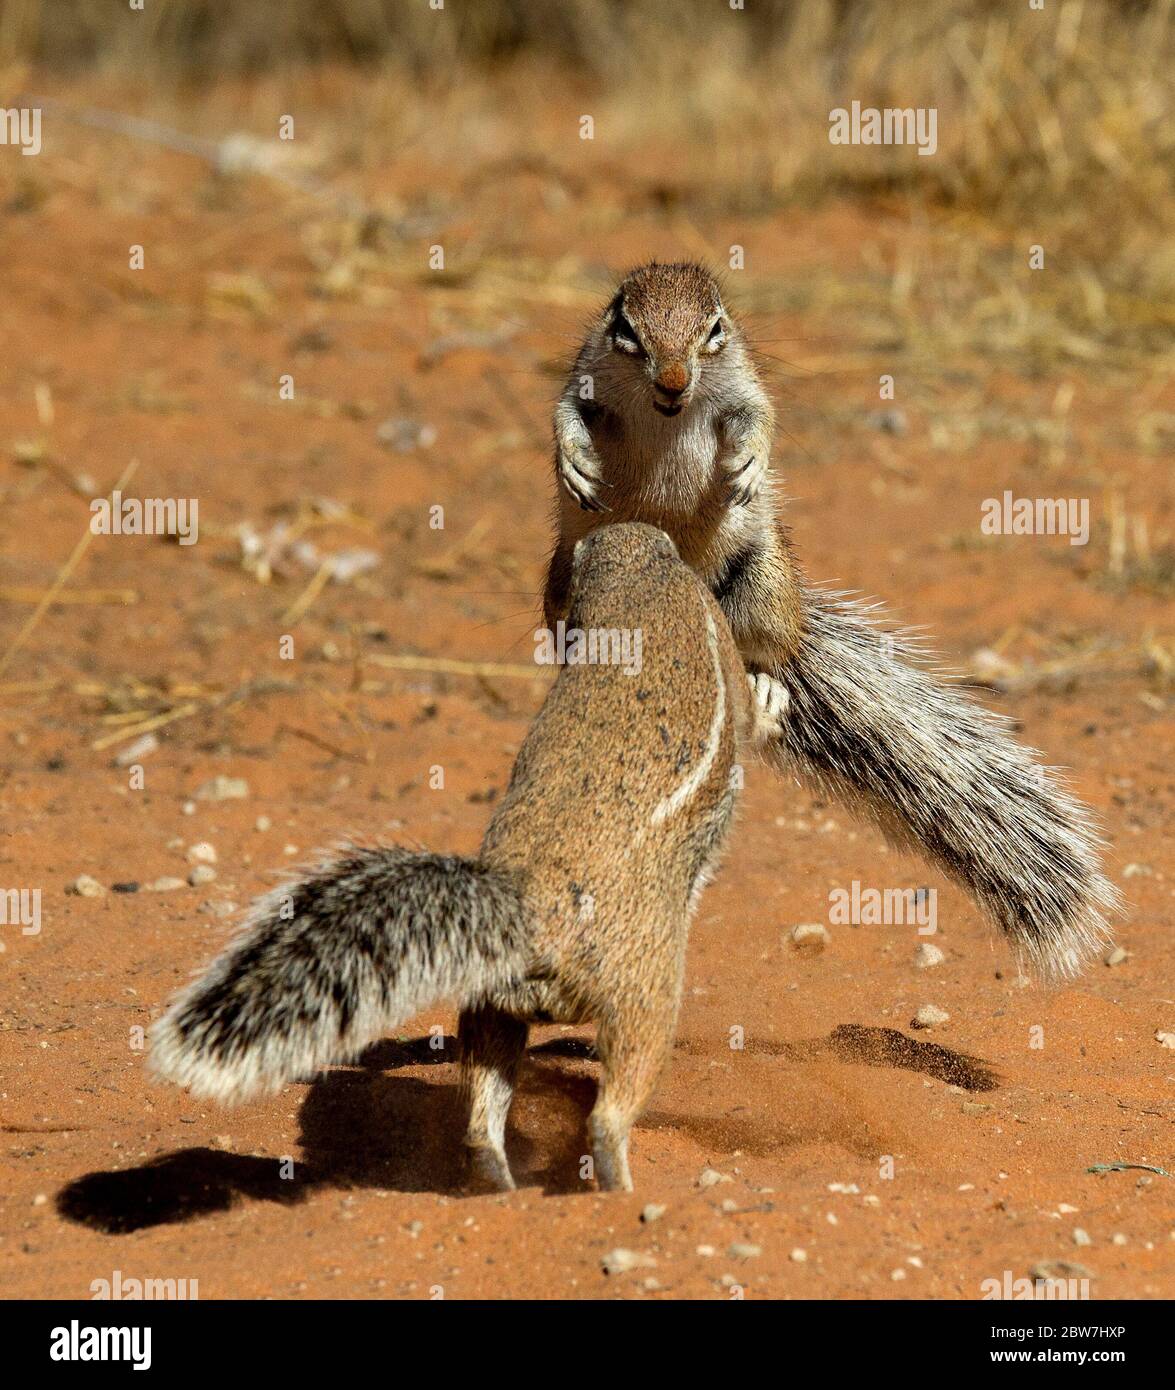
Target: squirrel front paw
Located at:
point(771, 699)
point(745, 478)
point(579, 472)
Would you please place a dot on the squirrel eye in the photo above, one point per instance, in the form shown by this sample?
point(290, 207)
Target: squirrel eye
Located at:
point(716, 332)
point(625, 334)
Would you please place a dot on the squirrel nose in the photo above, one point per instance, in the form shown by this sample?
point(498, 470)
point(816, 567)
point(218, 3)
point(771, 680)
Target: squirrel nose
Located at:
point(672, 380)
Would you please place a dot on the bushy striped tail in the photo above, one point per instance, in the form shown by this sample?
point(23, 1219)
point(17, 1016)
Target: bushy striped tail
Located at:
point(336, 959)
point(872, 724)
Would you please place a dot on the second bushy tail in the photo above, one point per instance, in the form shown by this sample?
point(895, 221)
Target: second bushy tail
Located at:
point(871, 723)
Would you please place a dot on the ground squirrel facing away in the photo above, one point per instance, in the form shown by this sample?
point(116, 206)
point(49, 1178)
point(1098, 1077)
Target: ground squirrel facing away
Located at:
point(576, 909)
point(664, 420)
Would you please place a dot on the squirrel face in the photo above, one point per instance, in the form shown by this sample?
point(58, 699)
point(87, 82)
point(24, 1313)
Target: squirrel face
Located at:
point(667, 333)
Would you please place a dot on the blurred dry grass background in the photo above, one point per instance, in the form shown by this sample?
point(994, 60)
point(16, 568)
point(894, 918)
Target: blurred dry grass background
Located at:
point(1063, 105)
point(1054, 126)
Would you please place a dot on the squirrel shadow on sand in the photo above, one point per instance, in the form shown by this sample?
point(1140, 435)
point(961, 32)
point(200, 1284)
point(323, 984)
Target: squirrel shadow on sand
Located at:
point(853, 1043)
point(888, 1047)
point(879, 1047)
point(361, 1127)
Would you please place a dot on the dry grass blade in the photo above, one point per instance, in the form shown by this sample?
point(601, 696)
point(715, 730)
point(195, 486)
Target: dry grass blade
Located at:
point(61, 580)
point(452, 666)
point(147, 726)
point(123, 597)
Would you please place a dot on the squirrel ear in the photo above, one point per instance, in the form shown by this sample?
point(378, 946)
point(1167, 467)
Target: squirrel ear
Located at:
point(666, 546)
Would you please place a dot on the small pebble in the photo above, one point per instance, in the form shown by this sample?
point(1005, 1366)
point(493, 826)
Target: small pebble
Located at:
point(710, 1177)
point(929, 1016)
point(262, 823)
point(201, 853)
point(620, 1261)
point(201, 874)
point(1081, 1237)
point(651, 1211)
point(1117, 955)
point(927, 956)
point(1060, 1269)
point(222, 788)
point(1165, 1039)
point(799, 1255)
point(86, 887)
point(740, 1250)
point(130, 886)
point(165, 885)
point(810, 936)
point(133, 752)
point(218, 907)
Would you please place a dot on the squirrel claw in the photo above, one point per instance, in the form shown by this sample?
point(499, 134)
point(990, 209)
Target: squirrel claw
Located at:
point(583, 494)
point(745, 481)
point(771, 699)
point(581, 481)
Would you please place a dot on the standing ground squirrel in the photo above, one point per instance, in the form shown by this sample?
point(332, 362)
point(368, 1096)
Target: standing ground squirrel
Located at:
point(576, 909)
point(664, 420)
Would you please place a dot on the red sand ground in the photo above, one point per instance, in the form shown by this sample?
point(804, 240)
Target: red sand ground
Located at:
point(983, 1180)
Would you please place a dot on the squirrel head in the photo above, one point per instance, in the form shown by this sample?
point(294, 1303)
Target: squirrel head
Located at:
point(625, 546)
point(667, 331)
point(613, 559)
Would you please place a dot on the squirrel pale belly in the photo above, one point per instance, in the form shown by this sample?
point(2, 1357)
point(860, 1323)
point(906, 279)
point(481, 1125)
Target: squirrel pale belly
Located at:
point(576, 909)
point(664, 420)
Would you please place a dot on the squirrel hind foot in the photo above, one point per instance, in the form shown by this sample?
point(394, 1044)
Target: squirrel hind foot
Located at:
point(488, 1170)
point(771, 699)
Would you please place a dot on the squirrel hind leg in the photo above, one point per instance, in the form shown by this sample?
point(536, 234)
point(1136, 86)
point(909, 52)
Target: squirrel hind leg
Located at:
point(633, 1046)
point(492, 1043)
point(608, 1129)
